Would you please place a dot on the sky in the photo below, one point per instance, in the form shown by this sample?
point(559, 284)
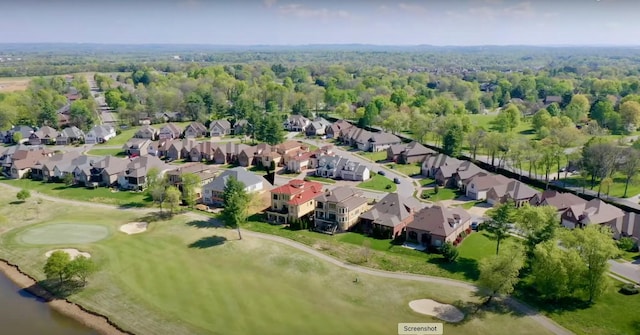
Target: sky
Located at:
point(303, 22)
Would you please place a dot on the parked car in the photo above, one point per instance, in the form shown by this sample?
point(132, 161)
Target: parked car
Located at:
point(474, 225)
point(382, 173)
point(396, 180)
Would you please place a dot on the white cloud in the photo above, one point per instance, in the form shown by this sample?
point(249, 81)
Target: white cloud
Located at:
point(520, 10)
point(269, 3)
point(302, 11)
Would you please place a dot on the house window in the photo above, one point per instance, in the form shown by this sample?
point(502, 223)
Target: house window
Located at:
point(275, 197)
point(569, 214)
point(320, 205)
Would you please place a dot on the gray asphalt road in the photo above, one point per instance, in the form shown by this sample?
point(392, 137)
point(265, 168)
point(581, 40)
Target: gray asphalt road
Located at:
point(628, 270)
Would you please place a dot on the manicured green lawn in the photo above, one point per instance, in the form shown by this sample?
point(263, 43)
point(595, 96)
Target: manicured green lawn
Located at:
point(406, 169)
point(101, 194)
point(378, 156)
point(426, 182)
point(616, 189)
point(379, 183)
point(612, 313)
point(105, 152)
point(321, 179)
point(185, 277)
point(443, 194)
point(127, 134)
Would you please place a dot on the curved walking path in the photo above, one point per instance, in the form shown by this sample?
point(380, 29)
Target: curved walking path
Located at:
point(515, 304)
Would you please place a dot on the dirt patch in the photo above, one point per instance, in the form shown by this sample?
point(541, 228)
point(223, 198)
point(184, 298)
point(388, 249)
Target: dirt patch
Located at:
point(73, 253)
point(443, 312)
point(134, 227)
point(14, 84)
point(88, 318)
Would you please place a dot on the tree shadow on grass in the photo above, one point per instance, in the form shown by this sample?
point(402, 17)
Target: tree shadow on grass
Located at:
point(133, 204)
point(526, 293)
point(467, 266)
point(57, 289)
point(208, 242)
point(211, 223)
point(155, 216)
point(17, 202)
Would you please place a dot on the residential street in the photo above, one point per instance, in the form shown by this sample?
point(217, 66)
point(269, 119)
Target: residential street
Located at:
point(106, 115)
point(515, 304)
point(627, 269)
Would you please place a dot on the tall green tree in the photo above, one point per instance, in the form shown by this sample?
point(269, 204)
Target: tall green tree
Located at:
point(236, 203)
point(538, 224)
point(557, 273)
point(595, 247)
point(81, 267)
point(189, 183)
point(172, 198)
point(500, 218)
point(508, 119)
point(452, 141)
point(57, 265)
point(499, 273)
point(630, 166)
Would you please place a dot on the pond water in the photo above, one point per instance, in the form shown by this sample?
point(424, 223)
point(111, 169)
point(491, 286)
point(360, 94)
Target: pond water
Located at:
point(23, 314)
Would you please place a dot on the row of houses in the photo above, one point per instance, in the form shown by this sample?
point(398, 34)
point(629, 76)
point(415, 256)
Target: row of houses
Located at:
point(343, 208)
point(122, 173)
point(49, 136)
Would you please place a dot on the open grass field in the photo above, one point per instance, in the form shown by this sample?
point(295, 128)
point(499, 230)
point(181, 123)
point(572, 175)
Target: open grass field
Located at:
point(443, 194)
point(616, 189)
point(127, 134)
point(378, 183)
point(321, 179)
point(64, 233)
point(100, 195)
point(185, 277)
point(105, 152)
point(406, 169)
point(378, 156)
point(14, 84)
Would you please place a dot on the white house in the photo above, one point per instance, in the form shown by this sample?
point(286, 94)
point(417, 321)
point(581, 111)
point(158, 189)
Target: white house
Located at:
point(213, 191)
point(100, 134)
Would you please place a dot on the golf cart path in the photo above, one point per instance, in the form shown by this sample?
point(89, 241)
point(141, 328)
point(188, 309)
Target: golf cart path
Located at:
point(515, 304)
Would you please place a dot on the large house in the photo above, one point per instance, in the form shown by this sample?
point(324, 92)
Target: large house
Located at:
point(317, 127)
point(44, 135)
point(368, 141)
point(70, 135)
point(138, 147)
point(106, 171)
point(241, 127)
point(195, 130)
point(432, 163)
point(455, 176)
point(389, 216)
point(25, 133)
point(205, 174)
point(516, 191)
point(22, 160)
point(169, 131)
point(147, 132)
point(219, 128)
point(338, 129)
point(410, 153)
point(134, 176)
point(336, 167)
point(561, 201)
point(477, 187)
point(595, 211)
point(100, 134)
point(214, 190)
point(296, 123)
point(293, 201)
point(434, 226)
point(338, 210)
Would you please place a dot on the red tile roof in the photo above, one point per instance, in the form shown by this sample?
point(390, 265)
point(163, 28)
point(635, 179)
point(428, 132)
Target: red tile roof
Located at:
point(301, 190)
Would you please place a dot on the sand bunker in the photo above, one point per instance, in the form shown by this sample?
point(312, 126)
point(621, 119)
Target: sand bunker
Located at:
point(134, 227)
point(443, 312)
point(72, 252)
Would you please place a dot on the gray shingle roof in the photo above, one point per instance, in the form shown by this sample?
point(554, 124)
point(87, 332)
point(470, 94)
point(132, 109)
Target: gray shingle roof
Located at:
point(239, 173)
